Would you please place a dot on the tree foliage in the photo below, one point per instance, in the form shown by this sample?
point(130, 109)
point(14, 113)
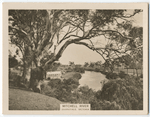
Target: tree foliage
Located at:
point(43, 35)
point(39, 32)
point(126, 92)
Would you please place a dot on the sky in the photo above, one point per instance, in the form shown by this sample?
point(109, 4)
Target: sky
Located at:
point(80, 54)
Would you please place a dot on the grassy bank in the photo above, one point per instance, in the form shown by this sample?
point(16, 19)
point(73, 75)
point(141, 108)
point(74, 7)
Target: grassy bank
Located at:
point(26, 100)
point(122, 91)
point(68, 75)
point(95, 70)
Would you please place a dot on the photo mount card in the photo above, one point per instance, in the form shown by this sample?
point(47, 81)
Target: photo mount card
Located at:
point(75, 58)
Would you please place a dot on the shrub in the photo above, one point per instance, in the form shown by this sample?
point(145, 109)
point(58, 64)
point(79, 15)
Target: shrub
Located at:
point(84, 89)
point(48, 78)
point(63, 95)
point(122, 74)
point(98, 94)
point(110, 75)
point(12, 75)
point(70, 84)
point(47, 90)
point(61, 89)
point(104, 105)
point(12, 61)
point(125, 92)
point(14, 79)
point(79, 69)
point(77, 76)
point(54, 83)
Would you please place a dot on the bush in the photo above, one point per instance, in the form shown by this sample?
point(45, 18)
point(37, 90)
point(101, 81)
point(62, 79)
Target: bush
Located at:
point(70, 84)
point(104, 105)
point(12, 75)
point(47, 90)
point(84, 89)
point(98, 94)
point(54, 83)
point(12, 61)
point(61, 89)
point(14, 79)
point(122, 74)
point(63, 95)
point(76, 76)
point(125, 92)
point(55, 90)
point(110, 75)
point(79, 69)
point(48, 78)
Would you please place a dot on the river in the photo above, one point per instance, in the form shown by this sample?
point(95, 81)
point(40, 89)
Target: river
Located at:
point(92, 79)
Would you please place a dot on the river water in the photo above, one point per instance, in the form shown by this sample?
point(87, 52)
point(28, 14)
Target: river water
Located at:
point(92, 79)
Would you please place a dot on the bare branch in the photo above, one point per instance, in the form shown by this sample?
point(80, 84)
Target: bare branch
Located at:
point(20, 30)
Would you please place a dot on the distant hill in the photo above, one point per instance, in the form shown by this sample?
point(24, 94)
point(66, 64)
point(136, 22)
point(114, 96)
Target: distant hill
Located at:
point(27, 100)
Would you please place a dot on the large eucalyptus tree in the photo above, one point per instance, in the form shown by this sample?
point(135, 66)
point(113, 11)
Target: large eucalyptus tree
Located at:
point(43, 35)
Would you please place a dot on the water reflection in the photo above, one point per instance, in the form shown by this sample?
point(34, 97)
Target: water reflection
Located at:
point(92, 79)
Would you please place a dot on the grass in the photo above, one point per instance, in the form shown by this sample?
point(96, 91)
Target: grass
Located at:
point(71, 75)
point(27, 100)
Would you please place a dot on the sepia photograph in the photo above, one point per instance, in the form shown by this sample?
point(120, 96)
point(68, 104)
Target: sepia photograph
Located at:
point(75, 59)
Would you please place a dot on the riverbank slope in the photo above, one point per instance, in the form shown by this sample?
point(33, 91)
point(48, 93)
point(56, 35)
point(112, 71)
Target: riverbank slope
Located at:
point(27, 100)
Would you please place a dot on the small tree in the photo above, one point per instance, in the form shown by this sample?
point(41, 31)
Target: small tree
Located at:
point(86, 64)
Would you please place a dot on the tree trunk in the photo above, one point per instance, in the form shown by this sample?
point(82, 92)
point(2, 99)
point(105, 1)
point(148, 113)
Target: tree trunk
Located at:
point(24, 74)
point(35, 75)
point(24, 71)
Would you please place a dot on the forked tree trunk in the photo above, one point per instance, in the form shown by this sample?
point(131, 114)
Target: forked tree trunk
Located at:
point(26, 75)
point(52, 60)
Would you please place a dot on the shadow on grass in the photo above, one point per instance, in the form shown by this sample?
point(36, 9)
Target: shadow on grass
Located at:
point(21, 87)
